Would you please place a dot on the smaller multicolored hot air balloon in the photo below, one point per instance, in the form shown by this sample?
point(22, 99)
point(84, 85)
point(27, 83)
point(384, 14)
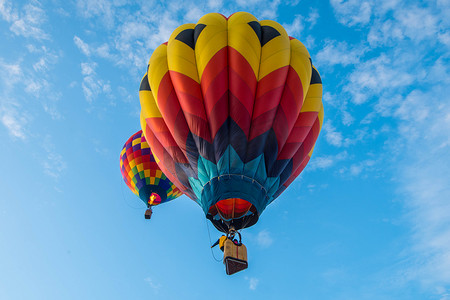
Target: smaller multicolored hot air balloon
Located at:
point(142, 174)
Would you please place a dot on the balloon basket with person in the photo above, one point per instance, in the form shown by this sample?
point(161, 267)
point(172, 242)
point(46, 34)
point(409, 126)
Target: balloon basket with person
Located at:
point(234, 252)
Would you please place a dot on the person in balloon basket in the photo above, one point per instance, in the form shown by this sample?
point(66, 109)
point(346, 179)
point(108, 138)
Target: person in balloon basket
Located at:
point(221, 242)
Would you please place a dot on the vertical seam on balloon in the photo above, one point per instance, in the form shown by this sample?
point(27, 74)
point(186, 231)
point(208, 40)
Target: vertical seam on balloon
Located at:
point(306, 156)
point(305, 95)
point(253, 110)
point(282, 146)
point(262, 159)
point(200, 160)
point(204, 107)
point(156, 137)
point(228, 120)
point(196, 141)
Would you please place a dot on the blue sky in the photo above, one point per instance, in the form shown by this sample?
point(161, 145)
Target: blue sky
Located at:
point(369, 218)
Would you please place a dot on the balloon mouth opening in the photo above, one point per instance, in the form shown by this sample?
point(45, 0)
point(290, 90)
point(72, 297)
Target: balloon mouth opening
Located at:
point(231, 208)
point(154, 199)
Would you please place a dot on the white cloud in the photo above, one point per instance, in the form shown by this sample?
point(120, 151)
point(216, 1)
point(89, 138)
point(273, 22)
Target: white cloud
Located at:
point(102, 51)
point(333, 137)
point(312, 17)
point(270, 10)
point(104, 9)
point(405, 26)
point(215, 4)
point(321, 162)
point(295, 28)
point(264, 239)
point(248, 3)
point(155, 286)
point(359, 168)
point(82, 46)
point(408, 20)
point(10, 73)
point(26, 22)
point(377, 75)
point(6, 11)
point(414, 107)
point(13, 122)
point(193, 14)
point(325, 162)
point(338, 53)
point(53, 162)
point(12, 116)
point(253, 282)
point(93, 86)
point(352, 12)
point(423, 141)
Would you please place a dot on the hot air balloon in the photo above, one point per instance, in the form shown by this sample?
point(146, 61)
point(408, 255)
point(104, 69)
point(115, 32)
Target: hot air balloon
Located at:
point(142, 175)
point(232, 107)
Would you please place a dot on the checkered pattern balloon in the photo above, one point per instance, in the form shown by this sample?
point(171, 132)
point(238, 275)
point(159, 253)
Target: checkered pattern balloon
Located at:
point(142, 174)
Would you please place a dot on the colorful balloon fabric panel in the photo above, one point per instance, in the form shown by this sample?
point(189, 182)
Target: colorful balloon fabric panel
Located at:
point(232, 107)
point(142, 174)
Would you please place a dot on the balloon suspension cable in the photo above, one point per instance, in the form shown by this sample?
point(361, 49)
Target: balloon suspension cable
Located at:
point(247, 219)
point(210, 243)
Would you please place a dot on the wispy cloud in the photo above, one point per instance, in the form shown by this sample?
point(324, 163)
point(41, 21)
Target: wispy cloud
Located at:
point(215, 4)
point(264, 238)
point(312, 18)
point(358, 168)
point(252, 282)
point(352, 12)
point(13, 121)
point(11, 114)
point(337, 139)
point(333, 137)
point(425, 175)
point(82, 46)
point(295, 28)
point(26, 21)
point(102, 50)
point(103, 9)
point(339, 53)
point(154, 285)
point(377, 75)
point(53, 162)
point(326, 161)
point(93, 86)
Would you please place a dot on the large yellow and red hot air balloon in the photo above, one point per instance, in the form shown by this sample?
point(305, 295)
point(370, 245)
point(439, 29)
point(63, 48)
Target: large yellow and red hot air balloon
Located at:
point(232, 107)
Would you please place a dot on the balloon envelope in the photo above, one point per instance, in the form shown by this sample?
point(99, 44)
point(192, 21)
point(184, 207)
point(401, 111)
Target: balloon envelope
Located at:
point(232, 107)
point(142, 174)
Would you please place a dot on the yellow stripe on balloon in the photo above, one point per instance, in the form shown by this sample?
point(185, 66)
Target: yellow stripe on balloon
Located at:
point(243, 39)
point(301, 63)
point(181, 57)
point(148, 105)
point(213, 38)
point(275, 53)
point(157, 68)
point(313, 100)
